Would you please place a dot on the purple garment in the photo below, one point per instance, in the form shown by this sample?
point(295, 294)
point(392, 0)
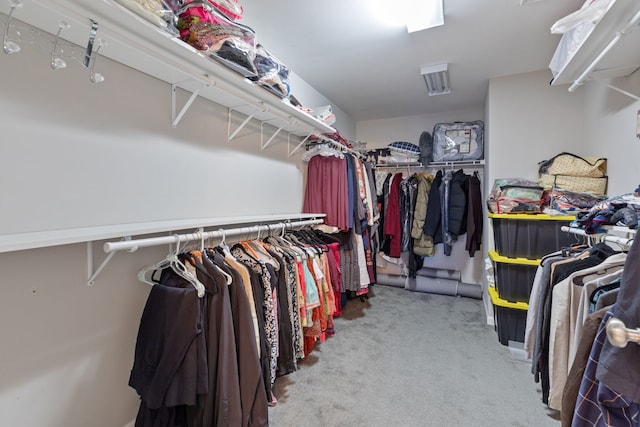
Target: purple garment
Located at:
point(326, 190)
point(598, 404)
point(619, 368)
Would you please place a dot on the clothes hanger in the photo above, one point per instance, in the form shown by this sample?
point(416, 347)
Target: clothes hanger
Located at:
point(223, 244)
point(176, 265)
point(323, 149)
point(261, 252)
point(305, 247)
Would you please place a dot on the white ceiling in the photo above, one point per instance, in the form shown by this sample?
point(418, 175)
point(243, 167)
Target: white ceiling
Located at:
point(372, 71)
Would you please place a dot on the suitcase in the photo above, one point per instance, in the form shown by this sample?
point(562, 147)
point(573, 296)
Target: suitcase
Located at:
point(458, 141)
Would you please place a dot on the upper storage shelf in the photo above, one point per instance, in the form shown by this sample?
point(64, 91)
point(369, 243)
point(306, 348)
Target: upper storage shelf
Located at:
point(610, 49)
point(135, 42)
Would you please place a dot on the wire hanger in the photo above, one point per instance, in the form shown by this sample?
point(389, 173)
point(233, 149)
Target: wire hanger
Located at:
point(176, 265)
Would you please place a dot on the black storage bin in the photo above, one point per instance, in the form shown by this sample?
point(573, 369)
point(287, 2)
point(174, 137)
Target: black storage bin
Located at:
point(510, 318)
point(530, 236)
point(513, 276)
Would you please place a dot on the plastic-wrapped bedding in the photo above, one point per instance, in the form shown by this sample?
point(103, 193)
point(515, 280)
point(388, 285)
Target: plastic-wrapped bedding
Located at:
point(404, 151)
point(159, 12)
point(458, 141)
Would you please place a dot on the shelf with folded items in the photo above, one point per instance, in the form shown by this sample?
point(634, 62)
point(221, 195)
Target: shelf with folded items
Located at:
point(605, 49)
point(130, 39)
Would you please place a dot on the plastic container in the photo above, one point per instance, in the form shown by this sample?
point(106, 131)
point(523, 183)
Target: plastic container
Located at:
point(510, 318)
point(513, 276)
point(530, 236)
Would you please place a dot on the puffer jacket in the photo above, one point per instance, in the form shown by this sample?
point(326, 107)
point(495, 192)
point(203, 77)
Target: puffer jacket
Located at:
point(422, 244)
point(458, 204)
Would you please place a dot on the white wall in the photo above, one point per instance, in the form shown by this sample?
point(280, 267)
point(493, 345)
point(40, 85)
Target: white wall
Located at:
point(78, 154)
point(611, 119)
point(309, 97)
point(531, 121)
point(380, 133)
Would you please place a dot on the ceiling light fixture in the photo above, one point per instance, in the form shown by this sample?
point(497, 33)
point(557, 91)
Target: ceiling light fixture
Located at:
point(437, 79)
point(424, 14)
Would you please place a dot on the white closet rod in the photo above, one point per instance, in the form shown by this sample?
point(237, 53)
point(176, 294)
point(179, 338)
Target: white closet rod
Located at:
point(603, 237)
point(132, 245)
point(337, 145)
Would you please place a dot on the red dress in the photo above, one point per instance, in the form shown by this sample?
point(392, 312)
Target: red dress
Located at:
point(326, 190)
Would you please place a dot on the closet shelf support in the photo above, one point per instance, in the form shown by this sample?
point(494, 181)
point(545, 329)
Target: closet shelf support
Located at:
point(91, 274)
point(176, 117)
point(624, 92)
point(619, 35)
point(231, 135)
point(263, 144)
point(291, 153)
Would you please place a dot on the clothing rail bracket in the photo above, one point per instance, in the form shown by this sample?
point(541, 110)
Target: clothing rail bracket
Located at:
point(91, 274)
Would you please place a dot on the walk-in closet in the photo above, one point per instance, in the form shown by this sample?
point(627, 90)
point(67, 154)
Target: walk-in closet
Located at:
point(244, 213)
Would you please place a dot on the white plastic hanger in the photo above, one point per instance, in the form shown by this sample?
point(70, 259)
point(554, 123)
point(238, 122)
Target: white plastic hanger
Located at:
point(176, 265)
point(322, 149)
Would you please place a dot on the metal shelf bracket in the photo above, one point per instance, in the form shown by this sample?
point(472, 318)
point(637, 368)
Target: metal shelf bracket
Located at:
point(91, 274)
point(177, 116)
point(624, 92)
point(263, 144)
point(291, 153)
point(232, 135)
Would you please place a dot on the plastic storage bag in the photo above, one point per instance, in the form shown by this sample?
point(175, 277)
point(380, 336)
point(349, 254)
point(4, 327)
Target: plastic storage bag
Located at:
point(458, 141)
point(273, 75)
point(159, 12)
point(515, 195)
point(206, 28)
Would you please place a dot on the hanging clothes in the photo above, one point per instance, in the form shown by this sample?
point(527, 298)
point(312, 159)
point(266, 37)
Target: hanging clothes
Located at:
point(169, 348)
point(433, 218)
point(619, 368)
point(392, 222)
point(326, 190)
point(202, 361)
point(408, 194)
point(598, 404)
point(253, 398)
point(475, 215)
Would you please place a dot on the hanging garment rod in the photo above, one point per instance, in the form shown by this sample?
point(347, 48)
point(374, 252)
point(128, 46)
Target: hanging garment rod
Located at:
point(132, 245)
point(602, 237)
point(337, 145)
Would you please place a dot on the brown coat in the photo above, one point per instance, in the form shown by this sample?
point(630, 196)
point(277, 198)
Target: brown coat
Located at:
point(422, 244)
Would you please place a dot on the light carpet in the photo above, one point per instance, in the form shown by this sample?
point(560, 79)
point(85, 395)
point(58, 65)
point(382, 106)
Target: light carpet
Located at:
point(406, 358)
